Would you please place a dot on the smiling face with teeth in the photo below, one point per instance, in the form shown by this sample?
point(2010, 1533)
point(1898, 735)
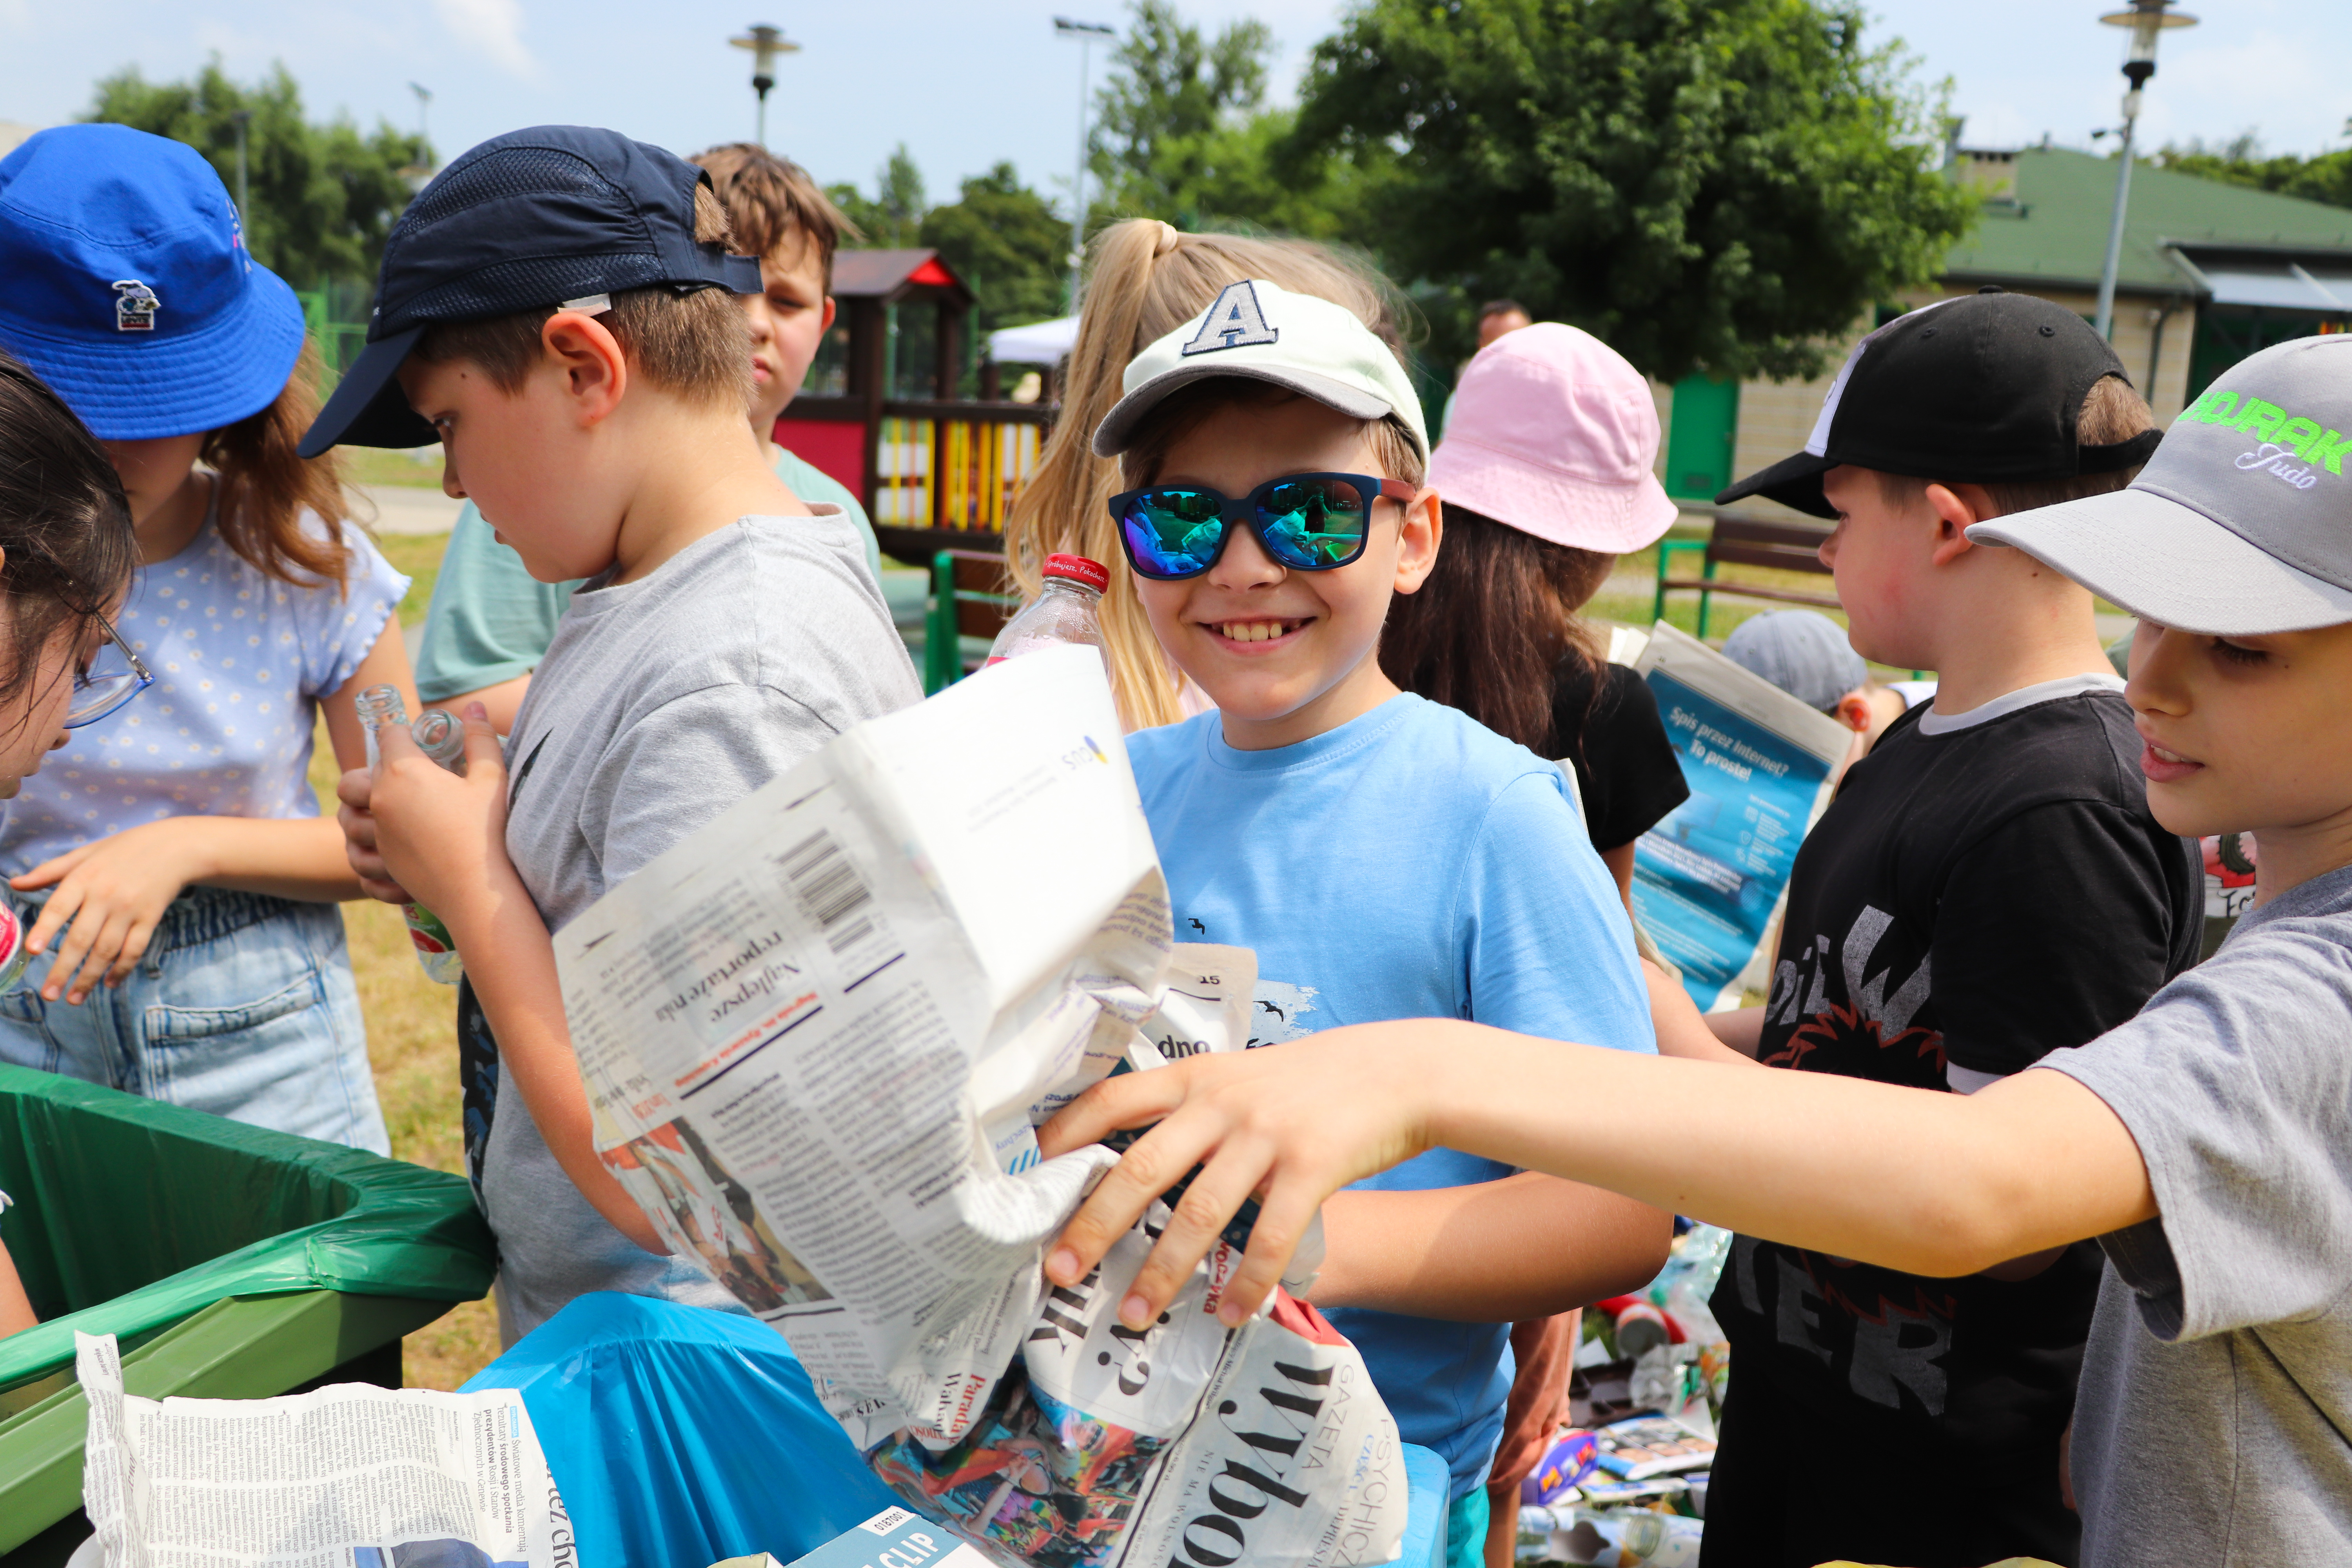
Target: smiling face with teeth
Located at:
point(1286, 654)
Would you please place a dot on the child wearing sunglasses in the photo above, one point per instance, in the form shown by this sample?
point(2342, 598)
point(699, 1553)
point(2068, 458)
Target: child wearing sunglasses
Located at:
point(182, 878)
point(1385, 855)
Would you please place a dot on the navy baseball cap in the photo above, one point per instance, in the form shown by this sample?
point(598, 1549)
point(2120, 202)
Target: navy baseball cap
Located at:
point(1983, 388)
point(126, 286)
point(525, 221)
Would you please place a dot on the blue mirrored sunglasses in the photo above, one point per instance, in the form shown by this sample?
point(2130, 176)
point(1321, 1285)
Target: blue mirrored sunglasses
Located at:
point(1308, 522)
point(113, 676)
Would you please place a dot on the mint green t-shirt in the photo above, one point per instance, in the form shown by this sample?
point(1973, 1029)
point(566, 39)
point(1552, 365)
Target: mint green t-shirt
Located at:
point(492, 620)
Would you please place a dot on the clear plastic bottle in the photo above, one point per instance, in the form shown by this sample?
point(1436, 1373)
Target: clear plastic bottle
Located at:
point(1063, 613)
point(443, 739)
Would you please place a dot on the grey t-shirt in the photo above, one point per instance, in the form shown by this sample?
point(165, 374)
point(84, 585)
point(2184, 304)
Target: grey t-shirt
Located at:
point(660, 703)
point(2214, 1423)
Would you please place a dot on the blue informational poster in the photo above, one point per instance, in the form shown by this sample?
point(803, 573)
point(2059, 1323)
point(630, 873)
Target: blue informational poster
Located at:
point(1709, 879)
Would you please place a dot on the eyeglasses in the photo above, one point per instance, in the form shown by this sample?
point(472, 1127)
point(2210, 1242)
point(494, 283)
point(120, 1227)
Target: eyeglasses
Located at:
point(114, 676)
point(1308, 522)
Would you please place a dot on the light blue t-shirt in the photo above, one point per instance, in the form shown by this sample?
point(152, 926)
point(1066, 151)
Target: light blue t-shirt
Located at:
point(1411, 864)
point(241, 660)
point(492, 620)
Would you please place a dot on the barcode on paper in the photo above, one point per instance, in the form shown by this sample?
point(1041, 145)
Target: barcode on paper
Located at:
point(825, 883)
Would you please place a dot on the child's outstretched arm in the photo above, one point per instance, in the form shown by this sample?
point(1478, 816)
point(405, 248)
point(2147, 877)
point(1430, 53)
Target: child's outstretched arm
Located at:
point(1932, 1184)
point(1496, 1252)
point(443, 835)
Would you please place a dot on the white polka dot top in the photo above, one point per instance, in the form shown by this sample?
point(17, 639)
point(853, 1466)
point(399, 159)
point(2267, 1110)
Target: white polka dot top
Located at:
point(240, 661)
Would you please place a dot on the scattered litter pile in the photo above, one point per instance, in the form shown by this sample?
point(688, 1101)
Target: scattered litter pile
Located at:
point(1625, 1483)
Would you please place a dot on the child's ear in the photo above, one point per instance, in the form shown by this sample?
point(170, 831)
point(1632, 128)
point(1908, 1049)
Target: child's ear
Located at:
point(1422, 531)
point(595, 370)
point(1853, 712)
point(1955, 508)
point(829, 308)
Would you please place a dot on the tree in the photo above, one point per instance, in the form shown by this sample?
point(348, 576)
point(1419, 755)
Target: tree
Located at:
point(2324, 177)
point(1008, 243)
point(323, 195)
point(1181, 134)
point(892, 220)
point(1711, 184)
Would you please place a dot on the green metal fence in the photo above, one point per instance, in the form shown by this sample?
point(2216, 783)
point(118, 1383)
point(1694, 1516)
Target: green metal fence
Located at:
point(335, 315)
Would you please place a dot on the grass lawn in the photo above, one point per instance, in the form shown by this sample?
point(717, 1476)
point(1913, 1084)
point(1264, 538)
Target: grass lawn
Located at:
point(382, 466)
point(412, 1035)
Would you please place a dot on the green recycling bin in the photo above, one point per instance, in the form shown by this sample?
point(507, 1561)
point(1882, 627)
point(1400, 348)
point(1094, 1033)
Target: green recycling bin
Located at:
point(229, 1262)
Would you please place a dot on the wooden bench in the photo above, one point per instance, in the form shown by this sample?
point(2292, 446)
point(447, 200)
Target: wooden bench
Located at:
point(1745, 541)
point(972, 597)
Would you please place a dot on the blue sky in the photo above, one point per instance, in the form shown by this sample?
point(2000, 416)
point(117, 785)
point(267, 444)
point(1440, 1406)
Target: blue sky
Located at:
point(967, 82)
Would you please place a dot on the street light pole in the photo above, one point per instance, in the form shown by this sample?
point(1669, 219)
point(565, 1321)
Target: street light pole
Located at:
point(2145, 19)
point(766, 43)
point(241, 118)
point(1086, 33)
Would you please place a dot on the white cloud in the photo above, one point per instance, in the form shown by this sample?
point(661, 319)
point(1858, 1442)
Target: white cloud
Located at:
point(492, 26)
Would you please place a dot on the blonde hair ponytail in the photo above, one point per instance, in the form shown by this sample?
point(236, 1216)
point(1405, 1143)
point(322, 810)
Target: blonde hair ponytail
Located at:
point(1145, 281)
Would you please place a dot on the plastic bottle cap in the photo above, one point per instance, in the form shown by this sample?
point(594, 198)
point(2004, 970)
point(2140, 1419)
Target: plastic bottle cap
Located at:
point(1078, 569)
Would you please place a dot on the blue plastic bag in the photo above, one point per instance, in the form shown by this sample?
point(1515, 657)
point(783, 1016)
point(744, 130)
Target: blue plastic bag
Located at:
point(680, 1436)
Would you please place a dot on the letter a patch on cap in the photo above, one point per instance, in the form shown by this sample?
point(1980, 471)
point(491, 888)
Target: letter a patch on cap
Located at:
point(134, 307)
point(1232, 322)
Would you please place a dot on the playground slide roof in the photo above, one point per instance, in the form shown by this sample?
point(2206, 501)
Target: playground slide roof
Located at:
point(891, 276)
point(2047, 227)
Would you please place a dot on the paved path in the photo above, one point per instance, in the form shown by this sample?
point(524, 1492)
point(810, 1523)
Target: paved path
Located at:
point(404, 509)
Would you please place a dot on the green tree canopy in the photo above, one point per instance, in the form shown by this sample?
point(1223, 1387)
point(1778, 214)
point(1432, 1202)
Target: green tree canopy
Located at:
point(1009, 244)
point(1712, 184)
point(2326, 178)
point(323, 195)
point(1183, 133)
point(892, 218)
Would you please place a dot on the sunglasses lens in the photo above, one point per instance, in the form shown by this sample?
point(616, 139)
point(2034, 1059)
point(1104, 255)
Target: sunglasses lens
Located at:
point(1172, 532)
point(1314, 523)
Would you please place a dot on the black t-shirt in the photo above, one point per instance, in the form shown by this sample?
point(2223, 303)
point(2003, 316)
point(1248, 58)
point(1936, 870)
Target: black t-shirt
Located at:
point(1625, 766)
point(1973, 899)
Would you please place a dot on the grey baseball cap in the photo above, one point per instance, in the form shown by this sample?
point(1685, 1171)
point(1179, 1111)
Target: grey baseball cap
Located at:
point(1803, 653)
point(2242, 524)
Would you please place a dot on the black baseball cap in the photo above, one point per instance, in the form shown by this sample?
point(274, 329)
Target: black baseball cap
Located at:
point(1985, 389)
point(551, 216)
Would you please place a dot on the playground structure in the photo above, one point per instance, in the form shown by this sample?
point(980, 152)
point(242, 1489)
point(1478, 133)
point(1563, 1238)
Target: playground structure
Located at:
point(883, 411)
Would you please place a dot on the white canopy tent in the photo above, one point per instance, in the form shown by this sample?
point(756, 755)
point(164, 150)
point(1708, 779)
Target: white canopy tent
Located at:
point(1040, 342)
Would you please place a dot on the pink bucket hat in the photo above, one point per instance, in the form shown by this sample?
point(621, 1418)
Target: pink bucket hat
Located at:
point(1553, 433)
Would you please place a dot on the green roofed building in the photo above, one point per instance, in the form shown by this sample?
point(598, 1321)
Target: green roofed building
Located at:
point(2211, 272)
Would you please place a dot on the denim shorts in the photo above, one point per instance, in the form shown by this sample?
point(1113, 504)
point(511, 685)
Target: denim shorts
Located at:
point(243, 1005)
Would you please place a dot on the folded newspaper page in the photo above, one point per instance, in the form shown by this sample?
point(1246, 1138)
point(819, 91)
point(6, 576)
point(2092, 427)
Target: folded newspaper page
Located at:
point(1710, 880)
point(817, 1035)
point(349, 1477)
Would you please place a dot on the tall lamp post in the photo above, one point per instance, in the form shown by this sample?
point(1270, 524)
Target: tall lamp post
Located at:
point(1088, 34)
point(2145, 19)
point(241, 119)
point(765, 43)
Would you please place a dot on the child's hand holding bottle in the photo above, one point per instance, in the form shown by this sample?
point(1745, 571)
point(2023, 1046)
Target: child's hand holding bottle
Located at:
point(442, 741)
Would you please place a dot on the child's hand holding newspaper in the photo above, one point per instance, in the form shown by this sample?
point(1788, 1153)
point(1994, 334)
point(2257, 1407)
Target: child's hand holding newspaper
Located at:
point(1288, 1125)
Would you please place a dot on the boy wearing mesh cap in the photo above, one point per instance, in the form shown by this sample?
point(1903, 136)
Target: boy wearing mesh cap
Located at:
point(556, 310)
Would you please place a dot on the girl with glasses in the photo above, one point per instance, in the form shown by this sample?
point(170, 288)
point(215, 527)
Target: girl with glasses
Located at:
point(181, 882)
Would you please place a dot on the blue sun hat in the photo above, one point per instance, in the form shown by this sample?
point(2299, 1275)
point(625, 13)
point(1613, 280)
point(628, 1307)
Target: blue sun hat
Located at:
point(128, 287)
